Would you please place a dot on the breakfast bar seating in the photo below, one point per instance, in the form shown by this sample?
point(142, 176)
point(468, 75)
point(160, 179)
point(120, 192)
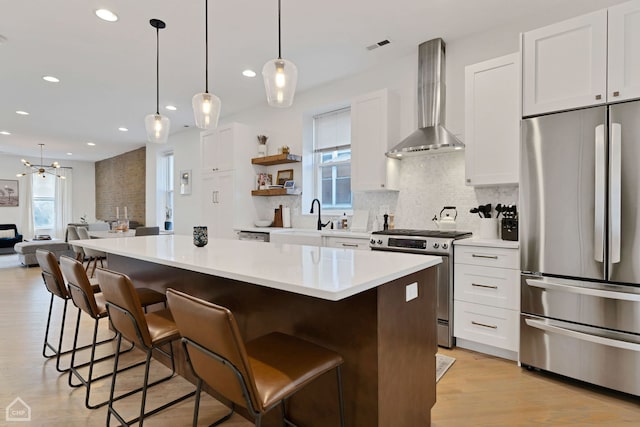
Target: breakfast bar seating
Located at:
point(377, 310)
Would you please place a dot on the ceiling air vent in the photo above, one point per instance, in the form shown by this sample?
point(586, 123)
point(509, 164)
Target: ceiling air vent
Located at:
point(379, 44)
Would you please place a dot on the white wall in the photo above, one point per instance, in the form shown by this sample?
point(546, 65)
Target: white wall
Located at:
point(186, 150)
point(84, 199)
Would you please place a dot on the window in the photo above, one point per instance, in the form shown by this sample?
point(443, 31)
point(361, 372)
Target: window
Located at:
point(44, 201)
point(168, 185)
point(332, 158)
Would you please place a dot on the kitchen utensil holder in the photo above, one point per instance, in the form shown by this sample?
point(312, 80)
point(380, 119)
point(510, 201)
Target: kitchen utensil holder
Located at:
point(488, 228)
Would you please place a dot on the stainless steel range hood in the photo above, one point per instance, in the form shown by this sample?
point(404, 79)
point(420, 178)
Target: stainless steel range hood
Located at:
point(431, 137)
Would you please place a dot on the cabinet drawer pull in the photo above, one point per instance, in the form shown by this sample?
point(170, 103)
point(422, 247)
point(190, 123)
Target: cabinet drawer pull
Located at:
point(350, 245)
point(616, 93)
point(485, 256)
point(598, 97)
point(477, 285)
point(484, 325)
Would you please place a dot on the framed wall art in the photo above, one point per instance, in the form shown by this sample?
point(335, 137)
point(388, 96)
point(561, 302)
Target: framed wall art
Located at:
point(9, 194)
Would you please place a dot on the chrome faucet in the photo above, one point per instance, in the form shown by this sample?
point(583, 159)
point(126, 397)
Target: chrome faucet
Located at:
point(320, 224)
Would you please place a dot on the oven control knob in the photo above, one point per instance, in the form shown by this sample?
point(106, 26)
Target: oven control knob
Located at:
point(445, 246)
point(373, 241)
point(379, 242)
point(435, 246)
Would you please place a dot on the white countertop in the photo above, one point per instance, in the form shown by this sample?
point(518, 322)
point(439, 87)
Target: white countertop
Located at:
point(309, 231)
point(492, 243)
point(111, 234)
point(328, 273)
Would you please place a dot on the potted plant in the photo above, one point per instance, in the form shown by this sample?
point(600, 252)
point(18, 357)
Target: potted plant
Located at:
point(168, 215)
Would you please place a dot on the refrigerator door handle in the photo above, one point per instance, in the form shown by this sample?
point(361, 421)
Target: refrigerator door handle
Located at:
point(600, 293)
point(599, 208)
point(545, 326)
point(615, 190)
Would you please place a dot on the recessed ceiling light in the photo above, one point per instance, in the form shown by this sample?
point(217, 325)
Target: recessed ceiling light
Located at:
point(91, 144)
point(51, 79)
point(123, 129)
point(69, 154)
point(249, 73)
point(171, 107)
point(106, 15)
point(4, 132)
point(22, 113)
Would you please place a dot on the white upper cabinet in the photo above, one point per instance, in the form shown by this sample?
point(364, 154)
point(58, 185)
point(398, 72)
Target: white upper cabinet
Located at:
point(218, 148)
point(565, 64)
point(374, 129)
point(584, 61)
point(492, 121)
point(624, 52)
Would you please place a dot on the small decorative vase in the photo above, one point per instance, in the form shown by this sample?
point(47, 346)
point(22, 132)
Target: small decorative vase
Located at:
point(200, 236)
point(262, 150)
point(168, 225)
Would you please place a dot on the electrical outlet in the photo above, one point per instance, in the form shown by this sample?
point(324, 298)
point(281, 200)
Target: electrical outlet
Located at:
point(411, 291)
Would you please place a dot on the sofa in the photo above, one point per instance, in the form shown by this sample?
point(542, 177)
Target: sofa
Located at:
point(9, 236)
point(27, 250)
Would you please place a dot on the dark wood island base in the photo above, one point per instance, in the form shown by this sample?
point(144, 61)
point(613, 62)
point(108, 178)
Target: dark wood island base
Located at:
point(388, 344)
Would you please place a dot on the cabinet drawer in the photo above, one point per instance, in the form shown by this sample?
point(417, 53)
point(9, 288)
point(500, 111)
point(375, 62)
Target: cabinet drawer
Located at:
point(497, 327)
point(487, 256)
point(497, 287)
point(347, 243)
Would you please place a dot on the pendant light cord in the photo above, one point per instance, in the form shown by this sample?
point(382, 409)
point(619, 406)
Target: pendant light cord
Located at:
point(279, 32)
point(206, 46)
point(157, 71)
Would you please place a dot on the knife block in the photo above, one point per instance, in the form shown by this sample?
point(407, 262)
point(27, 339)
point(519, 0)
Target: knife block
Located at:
point(510, 229)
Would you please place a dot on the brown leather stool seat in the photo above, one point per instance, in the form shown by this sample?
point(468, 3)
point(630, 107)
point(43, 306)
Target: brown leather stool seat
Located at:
point(84, 296)
point(148, 331)
point(258, 375)
point(54, 282)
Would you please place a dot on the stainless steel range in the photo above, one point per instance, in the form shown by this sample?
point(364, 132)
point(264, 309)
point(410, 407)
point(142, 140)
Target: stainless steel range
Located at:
point(428, 242)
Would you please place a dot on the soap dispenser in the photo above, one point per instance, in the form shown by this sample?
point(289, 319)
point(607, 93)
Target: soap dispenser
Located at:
point(345, 222)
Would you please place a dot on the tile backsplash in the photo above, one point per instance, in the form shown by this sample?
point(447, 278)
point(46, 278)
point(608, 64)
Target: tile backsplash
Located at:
point(427, 184)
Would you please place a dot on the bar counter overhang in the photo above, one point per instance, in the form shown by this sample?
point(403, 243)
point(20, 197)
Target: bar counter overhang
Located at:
point(353, 302)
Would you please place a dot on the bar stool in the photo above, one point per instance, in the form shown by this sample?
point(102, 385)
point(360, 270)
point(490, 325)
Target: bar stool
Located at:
point(92, 254)
point(258, 375)
point(148, 331)
point(54, 282)
point(83, 296)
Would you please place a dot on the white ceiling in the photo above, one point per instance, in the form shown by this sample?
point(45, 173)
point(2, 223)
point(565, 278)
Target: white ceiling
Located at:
point(107, 70)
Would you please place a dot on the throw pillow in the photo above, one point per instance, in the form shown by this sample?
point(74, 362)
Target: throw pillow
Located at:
point(8, 234)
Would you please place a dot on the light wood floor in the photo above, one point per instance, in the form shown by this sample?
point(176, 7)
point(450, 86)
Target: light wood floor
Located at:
point(477, 390)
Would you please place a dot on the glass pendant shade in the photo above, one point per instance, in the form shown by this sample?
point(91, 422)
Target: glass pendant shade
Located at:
point(157, 128)
point(280, 79)
point(206, 110)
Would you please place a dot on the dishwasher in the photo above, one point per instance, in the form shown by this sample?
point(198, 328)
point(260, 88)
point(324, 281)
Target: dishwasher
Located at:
point(255, 236)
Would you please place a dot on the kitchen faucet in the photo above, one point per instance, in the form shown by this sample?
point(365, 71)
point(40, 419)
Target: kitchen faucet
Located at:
point(320, 224)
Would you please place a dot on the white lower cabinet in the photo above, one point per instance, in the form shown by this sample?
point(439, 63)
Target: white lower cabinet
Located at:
point(487, 299)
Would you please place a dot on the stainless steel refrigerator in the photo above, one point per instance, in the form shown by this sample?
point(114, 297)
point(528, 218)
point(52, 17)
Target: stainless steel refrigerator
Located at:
point(580, 245)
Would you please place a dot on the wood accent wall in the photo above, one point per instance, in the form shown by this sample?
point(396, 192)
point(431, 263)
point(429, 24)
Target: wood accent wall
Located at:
point(120, 182)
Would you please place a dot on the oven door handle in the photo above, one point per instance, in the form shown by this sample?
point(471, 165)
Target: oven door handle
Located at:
point(624, 296)
point(625, 345)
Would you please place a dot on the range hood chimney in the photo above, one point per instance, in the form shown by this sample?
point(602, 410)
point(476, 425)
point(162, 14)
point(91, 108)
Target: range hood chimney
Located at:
point(431, 137)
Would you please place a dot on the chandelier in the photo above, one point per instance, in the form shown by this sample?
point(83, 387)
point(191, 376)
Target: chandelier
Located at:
point(41, 169)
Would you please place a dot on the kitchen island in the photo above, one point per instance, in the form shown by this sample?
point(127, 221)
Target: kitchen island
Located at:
point(377, 309)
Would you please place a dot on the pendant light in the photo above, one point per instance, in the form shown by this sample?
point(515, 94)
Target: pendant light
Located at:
point(206, 106)
point(280, 77)
point(156, 124)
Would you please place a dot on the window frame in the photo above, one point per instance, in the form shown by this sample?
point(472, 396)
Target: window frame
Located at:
point(318, 165)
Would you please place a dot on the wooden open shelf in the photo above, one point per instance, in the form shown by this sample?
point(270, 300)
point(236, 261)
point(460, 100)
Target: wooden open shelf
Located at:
point(271, 192)
point(277, 159)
